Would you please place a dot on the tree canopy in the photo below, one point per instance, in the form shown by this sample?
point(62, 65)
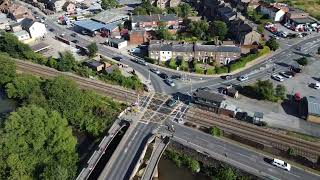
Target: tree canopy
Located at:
point(37, 144)
point(7, 69)
point(199, 29)
point(22, 86)
point(93, 49)
point(66, 62)
point(272, 44)
point(219, 28)
point(108, 4)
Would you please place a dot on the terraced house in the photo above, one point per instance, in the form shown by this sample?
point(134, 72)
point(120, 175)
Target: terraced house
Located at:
point(145, 22)
point(165, 50)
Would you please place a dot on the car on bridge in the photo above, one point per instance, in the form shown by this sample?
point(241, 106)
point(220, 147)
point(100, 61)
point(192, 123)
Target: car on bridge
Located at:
point(117, 58)
point(163, 75)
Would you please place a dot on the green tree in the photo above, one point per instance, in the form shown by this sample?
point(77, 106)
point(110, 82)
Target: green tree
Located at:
point(260, 28)
point(173, 63)
point(219, 28)
point(7, 69)
point(198, 69)
point(52, 63)
point(292, 152)
point(215, 131)
point(93, 49)
point(164, 34)
point(302, 61)
point(194, 165)
point(185, 10)
point(280, 91)
point(66, 62)
point(108, 4)
point(22, 86)
point(184, 65)
point(272, 44)
point(225, 174)
point(37, 144)
point(264, 90)
point(199, 29)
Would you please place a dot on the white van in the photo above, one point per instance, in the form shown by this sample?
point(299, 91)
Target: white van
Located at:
point(281, 164)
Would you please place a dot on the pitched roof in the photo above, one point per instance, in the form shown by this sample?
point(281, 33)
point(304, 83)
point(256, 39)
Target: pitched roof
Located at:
point(313, 105)
point(156, 17)
point(209, 95)
point(26, 23)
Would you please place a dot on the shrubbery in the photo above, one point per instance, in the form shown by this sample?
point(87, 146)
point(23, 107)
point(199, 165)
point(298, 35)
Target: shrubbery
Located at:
point(215, 131)
point(183, 160)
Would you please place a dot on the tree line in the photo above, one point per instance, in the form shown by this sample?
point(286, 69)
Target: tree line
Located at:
point(36, 141)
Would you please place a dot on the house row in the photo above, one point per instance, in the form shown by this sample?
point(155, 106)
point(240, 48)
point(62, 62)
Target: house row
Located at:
point(166, 50)
point(241, 30)
point(279, 12)
point(152, 22)
point(165, 3)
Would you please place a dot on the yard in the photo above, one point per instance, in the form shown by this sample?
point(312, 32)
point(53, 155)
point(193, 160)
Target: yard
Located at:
point(310, 6)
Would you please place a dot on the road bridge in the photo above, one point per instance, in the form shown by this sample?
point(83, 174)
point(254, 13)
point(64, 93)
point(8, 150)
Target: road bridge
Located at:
point(159, 147)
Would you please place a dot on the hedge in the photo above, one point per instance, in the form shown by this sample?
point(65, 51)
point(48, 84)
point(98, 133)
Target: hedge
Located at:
point(241, 62)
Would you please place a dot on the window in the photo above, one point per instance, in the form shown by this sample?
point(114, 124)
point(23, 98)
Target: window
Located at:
point(162, 52)
point(168, 52)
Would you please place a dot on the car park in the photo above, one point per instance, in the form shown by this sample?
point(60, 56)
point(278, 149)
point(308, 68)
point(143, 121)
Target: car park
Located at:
point(281, 164)
point(295, 69)
point(156, 71)
point(243, 78)
point(286, 74)
point(171, 102)
point(277, 77)
point(169, 82)
point(117, 58)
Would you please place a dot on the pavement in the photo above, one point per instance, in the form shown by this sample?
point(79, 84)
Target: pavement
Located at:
point(237, 156)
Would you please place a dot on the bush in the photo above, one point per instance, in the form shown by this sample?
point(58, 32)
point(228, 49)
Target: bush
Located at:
point(272, 44)
point(150, 60)
point(172, 64)
point(302, 61)
point(210, 70)
point(280, 91)
point(215, 131)
point(184, 65)
point(221, 70)
point(291, 152)
point(198, 69)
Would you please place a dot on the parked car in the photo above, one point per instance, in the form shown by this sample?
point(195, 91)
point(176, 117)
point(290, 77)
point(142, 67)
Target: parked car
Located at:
point(170, 82)
point(73, 34)
point(286, 74)
point(171, 102)
point(156, 71)
point(117, 58)
point(315, 85)
point(51, 29)
point(281, 164)
point(75, 41)
point(243, 78)
point(142, 62)
point(176, 76)
point(277, 77)
point(295, 69)
point(163, 76)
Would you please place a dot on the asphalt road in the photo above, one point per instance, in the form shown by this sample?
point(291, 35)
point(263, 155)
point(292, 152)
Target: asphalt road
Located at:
point(123, 165)
point(237, 156)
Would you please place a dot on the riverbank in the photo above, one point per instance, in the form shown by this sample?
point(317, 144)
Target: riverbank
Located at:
point(210, 168)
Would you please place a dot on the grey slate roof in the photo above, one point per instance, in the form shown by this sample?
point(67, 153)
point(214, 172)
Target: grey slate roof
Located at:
point(94, 63)
point(313, 105)
point(209, 96)
point(26, 23)
point(192, 47)
point(156, 17)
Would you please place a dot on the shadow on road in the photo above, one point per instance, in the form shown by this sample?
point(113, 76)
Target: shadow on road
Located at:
point(316, 78)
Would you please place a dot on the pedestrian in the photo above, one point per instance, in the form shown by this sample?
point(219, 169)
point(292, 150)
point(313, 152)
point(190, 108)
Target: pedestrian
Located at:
point(225, 154)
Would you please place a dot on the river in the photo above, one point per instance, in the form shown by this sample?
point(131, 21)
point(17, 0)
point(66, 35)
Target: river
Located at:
point(6, 105)
point(169, 171)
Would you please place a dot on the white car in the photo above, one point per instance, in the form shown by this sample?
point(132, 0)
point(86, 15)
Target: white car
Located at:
point(277, 77)
point(243, 78)
point(281, 164)
point(286, 74)
point(170, 82)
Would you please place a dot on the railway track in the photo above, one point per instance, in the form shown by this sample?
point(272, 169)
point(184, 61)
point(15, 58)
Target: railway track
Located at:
point(99, 87)
point(257, 134)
